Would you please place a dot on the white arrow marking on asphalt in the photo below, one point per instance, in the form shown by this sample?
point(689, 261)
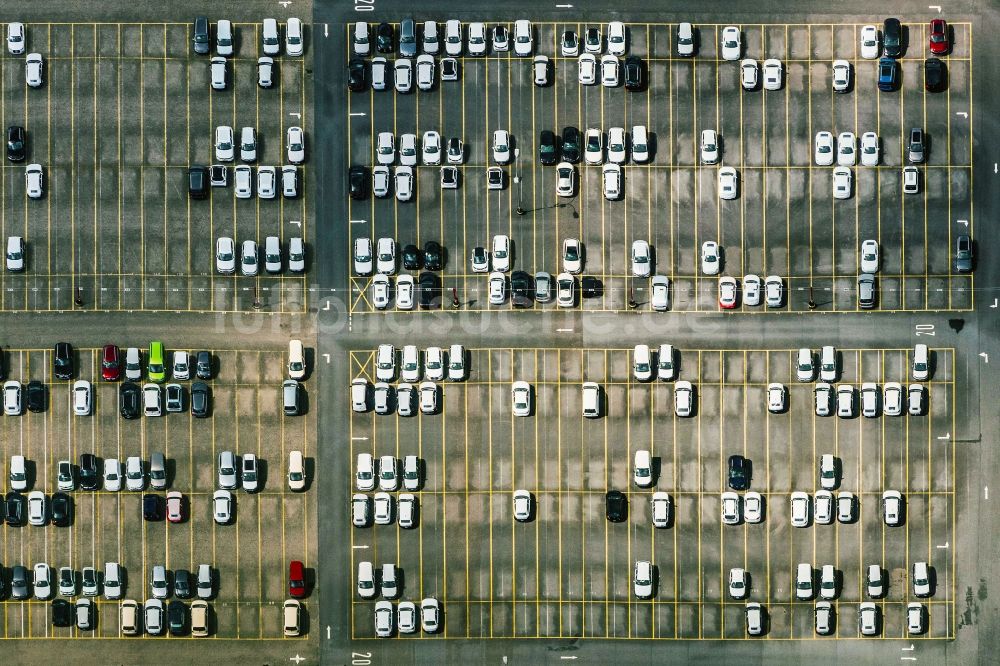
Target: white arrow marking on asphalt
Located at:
point(295, 113)
point(363, 547)
point(358, 221)
point(357, 113)
point(326, 30)
point(297, 659)
point(962, 113)
point(909, 649)
point(937, 7)
point(944, 546)
point(986, 357)
point(945, 436)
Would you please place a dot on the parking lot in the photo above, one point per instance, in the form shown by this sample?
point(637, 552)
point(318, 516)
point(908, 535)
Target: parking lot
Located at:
point(784, 220)
point(567, 572)
point(249, 556)
point(125, 108)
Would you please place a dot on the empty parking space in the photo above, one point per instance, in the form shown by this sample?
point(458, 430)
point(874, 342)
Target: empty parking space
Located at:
point(124, 110)
point(567, 572)
point(784, 221)
point(249, 556)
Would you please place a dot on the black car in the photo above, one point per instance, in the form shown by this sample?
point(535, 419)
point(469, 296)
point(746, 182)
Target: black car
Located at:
point(935, 75)
point(37, 396)
point(19, 582)
point(151, 509)
point(433, 256)
point(62, 613)
point(177, 617)
point(634, 75)
point(429, 288)
point(198, 182)
point(384, 38)
point(411, 257)
point(63, 361)
point(892, 38)
point(89, 476)
point(203, 368)
point(521, 286)
point(739, 472)
point(199, 399)
point(548, 152)
point(15, 143)
point(358, 178)
point(356, 75)
point(571, 144)
point(963, 254)
point(182, 584)
point(14, 508)
point(616, 506)
point(129, 400)
point(590, 286)
point(62, 509)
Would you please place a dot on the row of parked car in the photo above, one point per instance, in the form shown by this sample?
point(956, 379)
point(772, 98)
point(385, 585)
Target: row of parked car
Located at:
point(250, 260)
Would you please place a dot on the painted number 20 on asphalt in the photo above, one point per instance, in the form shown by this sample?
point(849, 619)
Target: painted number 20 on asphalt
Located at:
point(364, 5)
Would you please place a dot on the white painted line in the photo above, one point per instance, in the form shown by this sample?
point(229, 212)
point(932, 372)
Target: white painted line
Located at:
point(359, 221)
point(962, 113)
point(909, 649)
point(945, 436)
point(357, 113)
point(937, 7)
point(295, 113)
point(564, 330)
point(944, 546)
point(965, 222)
point(326, 30)
point(565, 7)
point(327, 357)
point(362, 547)
point(986, 492)
point(986, 357)
point(362, 439)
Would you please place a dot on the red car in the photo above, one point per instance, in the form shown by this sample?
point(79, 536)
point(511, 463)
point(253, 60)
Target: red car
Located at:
point(939, 37)
point(727, 292)
point(296, 579)
point(111, 368)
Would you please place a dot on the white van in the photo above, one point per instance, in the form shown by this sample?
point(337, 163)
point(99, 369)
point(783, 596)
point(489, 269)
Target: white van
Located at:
point(296, 471)
point(269, 37)
point(828, 364)
point(642, 469)
point(921, 363)
point(456, 363)
point(18, 473)
point(296, 360)
point(112, 581)
point(296, 255)
point(640, 144)
point(591, 400)
point(362, 46)
point(665, 363)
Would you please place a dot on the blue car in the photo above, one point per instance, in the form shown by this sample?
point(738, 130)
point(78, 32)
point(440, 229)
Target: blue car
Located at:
point(887, 74)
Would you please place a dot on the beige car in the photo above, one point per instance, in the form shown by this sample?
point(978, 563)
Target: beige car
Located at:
point(199, 618)
point(296, 471)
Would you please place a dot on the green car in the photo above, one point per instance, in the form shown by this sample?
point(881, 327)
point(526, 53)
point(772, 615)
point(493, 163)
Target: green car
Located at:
point(155, 368)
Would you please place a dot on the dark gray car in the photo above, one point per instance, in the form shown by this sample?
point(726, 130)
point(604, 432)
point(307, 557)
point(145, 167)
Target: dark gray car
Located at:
point(199, 399)
point(201, 35)
point(543, 287)
point(866, 291)
point(963, 254)
point(407, 38)
point(915, 148)
point(19, 586)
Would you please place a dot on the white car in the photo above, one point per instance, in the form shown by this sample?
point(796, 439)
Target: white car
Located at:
point(217, 70)
point(572, 256)
point(477, 39)
point(383, 508)
point(225, 150)
point(846, 149)
point(360, 510)
point(501, 253)
point(642, 579)
point(709, 146)
point(804, 581)
point(776, 398)
point(869, 149)
point(616, 145)
point(380, 181)
point(730, 508)
point(453, 38)
point(522, 38)
point(42, 581)
point(911, 180)
point(295, 145)
point(739, 586)
point(522, 505)
point(727, 183)
point(385, 256)
point(751, 289)
point(540, 67)
point(805, 368)
point(921, 579)
point(431, 148)
point(430, 615)
point(456, 151)
point(500, 39)
point(15, 38)
point(243, 182)
point(870, 47)
point(800, 509)
point(403, 183)
point(868, 618)
point(874, 582)
point(267, 177)
point(565, 290)
point(383, 619)
point(660, 509)
point(824, 148)
point(363, 255)
point(408, 149)
point(748, 74)
point(659, 289)
point(683, 398)
point(569, 45)
point(520, 393)
point(842, 179)
point(388, 473)
point(405, 395)
point(587, 73)
point(403, 75)
point(612, 177)
point(711, 259)
point(225, 255)
point(501, 147)
point(774, 291)
point(497, 288)
point(609, 71)
point(434, 367)
point(425, 72)
point(366, 580)
point(892, 404)
point(915, 617)
point(405, 292)
point(365, 471)
point(728, 290)
point(33, 69)
point(845, 401)
point(665, 363)
point(731, 46)
point(411, 473)
point(265, 68)
point(915, 400)
point(640, 144)
point(772, 74)
point(841, 75)
point(616, 38)
point(823, 506)
point(385, 148)
point(869, 259)
point(641, 258)
point(753, 507)
point(593, 146)
point(845, 506)
point(12, 398)
point(642, 363)
point(381, 288)
point(565, 179)
point(406, 617)
point(892, 507)
point(81, 397)
point(385, 363)
point(685, 39)
point(823, 394)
